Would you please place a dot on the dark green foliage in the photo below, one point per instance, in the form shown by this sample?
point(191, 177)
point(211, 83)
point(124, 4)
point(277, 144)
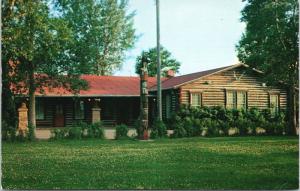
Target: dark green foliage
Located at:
point(210, 126)
point(154, 134)
point(75, 132)
point(8, 132)
point(95, 130)
point(78, 131)
point(166, 62)
point(159, 130)
point(216, 121)
point(242, 125)
point(224, 127)
point(102, 32)
point(179, 131)
point(271, 44)
point(273, 128)
point(139, 129)
point(59, 134)
point(188, 125)
point(35, 50)
point(121, 131)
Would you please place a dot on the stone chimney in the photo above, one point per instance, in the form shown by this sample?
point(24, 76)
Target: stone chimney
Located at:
point(170, 73)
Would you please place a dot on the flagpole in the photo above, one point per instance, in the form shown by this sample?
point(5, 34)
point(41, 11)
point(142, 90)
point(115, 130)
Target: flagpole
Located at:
point(159, 109)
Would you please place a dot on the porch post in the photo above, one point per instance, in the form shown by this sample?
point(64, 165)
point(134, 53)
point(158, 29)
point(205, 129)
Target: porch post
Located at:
point(23, 119)
point(96, 111)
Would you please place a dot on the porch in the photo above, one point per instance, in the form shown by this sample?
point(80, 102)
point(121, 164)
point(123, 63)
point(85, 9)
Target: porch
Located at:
point(66, 111)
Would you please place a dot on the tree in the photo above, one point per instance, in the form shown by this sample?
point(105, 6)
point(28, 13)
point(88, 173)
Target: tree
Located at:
point(34, 50)
point(167, 61)
point(103, 31)
point(270, 43)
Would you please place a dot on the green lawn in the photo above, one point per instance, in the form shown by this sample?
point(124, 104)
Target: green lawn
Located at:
point(191, 163)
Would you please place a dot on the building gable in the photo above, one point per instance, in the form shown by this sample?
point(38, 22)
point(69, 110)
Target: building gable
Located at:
point(213, 88)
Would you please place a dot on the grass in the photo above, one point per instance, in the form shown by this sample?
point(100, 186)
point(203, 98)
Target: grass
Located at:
point(190, 163)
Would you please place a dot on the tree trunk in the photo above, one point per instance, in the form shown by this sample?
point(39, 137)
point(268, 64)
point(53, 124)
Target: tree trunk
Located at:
point(291, 111)
point(32, 120)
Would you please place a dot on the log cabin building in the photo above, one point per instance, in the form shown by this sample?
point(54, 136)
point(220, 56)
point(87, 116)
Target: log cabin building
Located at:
point(236, 86)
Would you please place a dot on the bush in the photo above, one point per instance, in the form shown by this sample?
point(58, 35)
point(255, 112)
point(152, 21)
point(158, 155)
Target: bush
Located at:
point(224, 127)
point(197, 130)
point(211, 127)
point(75, 133)
point(154, 134)
point(159, 130)
point(179, 131)
point(8, 132)
point(95, 130)
point(241, 125)
point(138, 127)
point(188, 126)
point(121, 131)
point(273, 128)
point(58, 134)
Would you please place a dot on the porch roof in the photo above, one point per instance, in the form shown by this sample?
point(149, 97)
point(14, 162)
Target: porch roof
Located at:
point(103, 86)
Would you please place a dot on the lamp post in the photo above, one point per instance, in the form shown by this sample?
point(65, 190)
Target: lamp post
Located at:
point(159, 109)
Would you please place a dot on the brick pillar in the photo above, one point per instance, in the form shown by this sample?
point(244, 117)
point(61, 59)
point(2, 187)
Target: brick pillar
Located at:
point(23, 119)
point(96, 112)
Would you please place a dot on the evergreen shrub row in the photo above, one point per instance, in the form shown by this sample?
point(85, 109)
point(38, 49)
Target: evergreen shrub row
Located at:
point(79, 130)
point(218, 121)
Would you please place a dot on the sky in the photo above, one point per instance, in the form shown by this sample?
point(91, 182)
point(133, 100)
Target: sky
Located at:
point(200, 34)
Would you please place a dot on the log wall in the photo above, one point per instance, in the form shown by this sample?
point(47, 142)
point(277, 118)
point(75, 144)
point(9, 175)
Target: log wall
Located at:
point(214, 88)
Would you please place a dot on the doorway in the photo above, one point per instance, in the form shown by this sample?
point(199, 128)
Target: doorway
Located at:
point(59, 119)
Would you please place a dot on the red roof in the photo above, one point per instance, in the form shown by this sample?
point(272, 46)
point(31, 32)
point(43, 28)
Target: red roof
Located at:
point(105, 86)
point(179, 80)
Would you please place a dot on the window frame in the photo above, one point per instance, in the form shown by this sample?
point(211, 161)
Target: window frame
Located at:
point(235, 99)
point(277, 109)
point(76, 115)
point(199, 93)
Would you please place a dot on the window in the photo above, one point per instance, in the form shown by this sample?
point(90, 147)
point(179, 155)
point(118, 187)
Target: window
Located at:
point(79, 109)
point(195, 99)
point(236, 99)
point(274, 103)
point(39, 109)
point(241, 100)
point(230, 99)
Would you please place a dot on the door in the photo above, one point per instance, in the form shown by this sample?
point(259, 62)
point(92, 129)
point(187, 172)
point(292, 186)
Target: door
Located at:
point(59, 120)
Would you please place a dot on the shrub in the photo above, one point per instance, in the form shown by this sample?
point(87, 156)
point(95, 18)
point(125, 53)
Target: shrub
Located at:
point(75, 132)
point(242, 125)
point(95, 130)
point(211, 127)
point(197, 127)
point(58, 134)
point(273, 128)
point(158, 129)
point(188, 126)
point(224, 127)
point(154, 134)
point(121, 131)
point(179, 131)
point(138, 127)
point(8, 132)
